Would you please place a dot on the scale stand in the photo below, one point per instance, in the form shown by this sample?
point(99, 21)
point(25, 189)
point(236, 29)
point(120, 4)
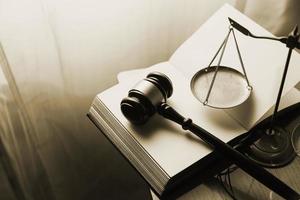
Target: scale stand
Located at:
point(274, 148)
point(231, 87)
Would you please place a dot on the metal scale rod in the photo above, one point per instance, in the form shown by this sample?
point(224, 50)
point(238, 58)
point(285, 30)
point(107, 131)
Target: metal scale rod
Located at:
point(223, 46)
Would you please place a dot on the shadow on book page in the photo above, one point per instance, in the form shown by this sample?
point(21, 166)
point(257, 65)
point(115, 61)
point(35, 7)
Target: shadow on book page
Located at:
point(245, 111)
point(244, 114)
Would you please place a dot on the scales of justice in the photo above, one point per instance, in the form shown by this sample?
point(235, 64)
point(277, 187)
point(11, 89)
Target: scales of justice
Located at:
point(223, 87)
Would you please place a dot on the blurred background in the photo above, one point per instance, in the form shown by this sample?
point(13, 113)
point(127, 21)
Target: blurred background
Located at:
point(60, 54)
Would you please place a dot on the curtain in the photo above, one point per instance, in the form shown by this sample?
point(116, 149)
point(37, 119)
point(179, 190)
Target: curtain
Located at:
point(55, 56)
point(278, 17)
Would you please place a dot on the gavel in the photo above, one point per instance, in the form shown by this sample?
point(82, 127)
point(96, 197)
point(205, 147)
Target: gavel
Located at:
point(150, 96)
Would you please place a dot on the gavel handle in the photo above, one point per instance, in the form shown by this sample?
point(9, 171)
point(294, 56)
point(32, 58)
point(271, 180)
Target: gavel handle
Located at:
point(231, 154)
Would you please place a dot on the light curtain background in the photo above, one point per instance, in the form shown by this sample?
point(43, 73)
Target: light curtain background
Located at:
point(56, 55)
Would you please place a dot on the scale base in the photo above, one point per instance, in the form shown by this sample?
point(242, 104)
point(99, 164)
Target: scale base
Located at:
point(274, 149)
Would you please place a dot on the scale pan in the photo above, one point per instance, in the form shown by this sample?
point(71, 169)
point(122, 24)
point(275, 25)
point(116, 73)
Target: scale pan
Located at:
point(230, 88)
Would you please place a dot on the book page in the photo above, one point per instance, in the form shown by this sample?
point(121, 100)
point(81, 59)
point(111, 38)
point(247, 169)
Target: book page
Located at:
point(264, 61)
point(290, 98)
point(125, 76)
point(171, 147)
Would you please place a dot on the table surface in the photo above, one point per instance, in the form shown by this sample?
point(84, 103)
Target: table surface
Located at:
point(244, 186)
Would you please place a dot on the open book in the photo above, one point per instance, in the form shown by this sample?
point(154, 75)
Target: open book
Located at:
point(160, 150)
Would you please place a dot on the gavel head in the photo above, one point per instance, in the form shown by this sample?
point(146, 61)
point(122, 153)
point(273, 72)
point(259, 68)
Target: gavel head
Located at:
point(146, 95)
